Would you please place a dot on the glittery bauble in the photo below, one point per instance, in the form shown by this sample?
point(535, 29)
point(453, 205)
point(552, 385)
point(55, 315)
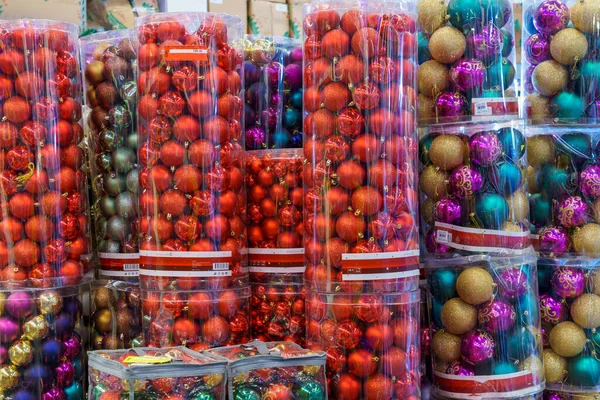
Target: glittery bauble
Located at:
point(465, 182)
point(491, 209)
point(19, 304)
point(447, 211)
point(540, 150)
point(446, 346)
point(460, 368)
point(433, 78)
point(552, 310)
point(447, 45)
point(477, 346)
point(447, 152)
point(585, 311)
point(475, 285)
point(586, 240)
point(567, 339)
point(569, 46)
point(467, 74)
point(433, 182)
point(431, 15)
point(486, 43)
point(537, 49)
point(484, 148)
point(584, 15)
point(450, 106)
point(549, 78)
point(551, 16)
point(458, 317)
point(555, 366)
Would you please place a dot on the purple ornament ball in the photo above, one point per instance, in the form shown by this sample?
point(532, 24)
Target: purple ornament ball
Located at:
point(255, 138)
point(568, 282)
point(64, 325)
point(251, 73)
point(537, 49)
point(513, 282)
point(465, 182)
point(589, 181)
point(553, 310)
point(296, 54)
point(572, 211)
point(433, 247)
point(487, 43)
point(496, 316)
point(256, 95)
point(460, 368)
point(477, 346)
point(553, 242)
point(551, 16)
point(9, 330)
point(274, 73)
point(484, 148)
point(450, 106)
point(3, 354)
point(19, 304)
point(293, 76)
point(65, 373)
point(249, 116)
point(54, 394)
point(467, 74)
point(447, 211)
point(528, 84)
point(72, 346)
point(271, 117)
point(554, 396)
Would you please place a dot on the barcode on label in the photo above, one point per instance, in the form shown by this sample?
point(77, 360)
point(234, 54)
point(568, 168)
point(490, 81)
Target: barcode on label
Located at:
point(482, 109)
point(443, 236)
point(220, 266)
point(131, 267)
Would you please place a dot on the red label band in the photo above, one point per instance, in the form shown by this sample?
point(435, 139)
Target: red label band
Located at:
point(482, 107)
point(185, 53)
point(480, 240)
point(275, 259)
point(119, 262)
point(523, 381)
point(535, 241)
point(379, 266)
point(185, 261)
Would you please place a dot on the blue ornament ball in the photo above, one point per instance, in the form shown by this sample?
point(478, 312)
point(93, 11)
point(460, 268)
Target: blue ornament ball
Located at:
point(281, 139)
point(51, 351)
point(540, 209)
point(423, 47)
point(291, 118)
point(297, 140)
point(507, 177)
point(464, 14)
point(296, 99)
point(74, 391)
point(64, 326)
point(37, 373)
point(528, 20)
point(528, 309)
point(499, 12)
point(442, 284)
point(520, 344)
point(436, 312)
point(567, 106)
point(25, 395)
point(553, 180)
point(513, 143)
point(508, 42)
point(504, 368)
point(491, 209)
point(576, 145)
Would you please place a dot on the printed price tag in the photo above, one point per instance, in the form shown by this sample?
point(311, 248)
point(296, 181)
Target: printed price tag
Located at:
point(186, 53)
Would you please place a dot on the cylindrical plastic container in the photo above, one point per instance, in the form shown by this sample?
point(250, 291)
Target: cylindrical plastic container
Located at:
point(275, 201)
point(255, 371)
point(116, 315)
point(570, 313)
point(43, 343)
point(109, 61)
point(198, 319)
point(564, 187)
point(360, 142)
point(426, 364)
point(371, 341)
point(44, 239)
point(485, 324)
point(560, 71)
point(273, 81)
point(468, 60)
point(171, 373)
point(190, 124)
point(473, 191)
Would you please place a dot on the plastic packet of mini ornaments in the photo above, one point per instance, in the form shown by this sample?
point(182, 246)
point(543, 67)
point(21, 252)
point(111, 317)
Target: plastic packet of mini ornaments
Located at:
point(371, 341)
point(116, 315)
point(44, 239)
point(43, 343)
point(198, 319)
point(467, 61)
point(108, 60)
point(473, 189)
point(149, 373)
point(360, 142)
point(273, 82)
point(560, 68)
point(274, 370)
point(485, 324)
point(190, 129)
point(570, 314)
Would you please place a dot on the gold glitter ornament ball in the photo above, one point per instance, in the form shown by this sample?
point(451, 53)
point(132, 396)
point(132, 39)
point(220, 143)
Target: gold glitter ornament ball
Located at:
point(555, 366)
point(447, 45)
point(550, 78)
point(586, 240)
point(540, 150)
point(508, 226)
point(585, 15)
point(532, 184)
point(596, 209)
point(475, 285)
point(433, 78)
point(518, 207)
point(432, 182)
point(446, 346)
point(431, 15)
point(538, 107)
point(585, 311)
point(425, 109)
point(567, 339)
point(103, 321)
point(447, 152)
point(458, 317)
point(594, 281)
point(568, 46)
point(103, 297)
point(534, 365)
point(427, 207)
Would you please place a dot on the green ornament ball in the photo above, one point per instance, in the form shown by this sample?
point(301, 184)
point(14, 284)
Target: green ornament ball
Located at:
point(464, 14)
point(98, 390)
point(132, 181)
point(126, 205)
point(576, 145)
point(107, 206)
point(423, 47)
point(123, 160)
point(500, 75)
point(507, 177)
point(309, 389)
point(424, 146)
point(504, 368)
point(132, 141)
point(203, 395)
point(513, 143)
point(442, 284)
point(540, 209)
point(74, 391)
point(583, 370)
point(113, 184)
point(101, 227)
point(491, 209)
point(291, 118)
point(246, 393)
point(567, 106)
point(296, 99)
point(508, 42)
point(117, 228)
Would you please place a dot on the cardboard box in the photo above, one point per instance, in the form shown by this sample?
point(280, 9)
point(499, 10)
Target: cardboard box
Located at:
point(183, 5)
point(267, 18)
point(295, 10)
point(73, 11)
point(238, 8)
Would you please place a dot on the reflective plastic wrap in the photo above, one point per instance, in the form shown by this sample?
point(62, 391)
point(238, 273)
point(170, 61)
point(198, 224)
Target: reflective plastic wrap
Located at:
point(467, 61)
point(274, 370)
point(273, 82)
point(360, 142)
point(371, 341)
point(43, 342)
point(196, 319)
point(190, 148)
point(473, 189)
point(116, 315)
point(149, 373)
point(486, 337)
point(44, 225)
point(109, 62)
point(561, 70)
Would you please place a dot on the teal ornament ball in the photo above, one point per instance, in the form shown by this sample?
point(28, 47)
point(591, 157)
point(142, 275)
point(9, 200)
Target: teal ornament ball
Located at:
point(492, 93)
point(203, 395)
point(513, 143)
point(583, 370)
point(79, 368)
point(508, 42)
point(296, 99)
point(436, 312)
point(500, 75)
point(553, 180)
point(423, 47)
point(498, 11)
point(528, 309)
point(567, 106)
point(544, 277)
point(98, 390)
point(309, 389)
point(491, 209)
point(520, 344)
point(507, 177)
point(246, 393)
point(291, 118)
point(595, 338)
point(281, 139)
point(442, 284)
point(503, 368)
point(464, 14)
point(540, 209)
point(590, 70)
point(74, 391)
point(424, 146)
point(576, 145)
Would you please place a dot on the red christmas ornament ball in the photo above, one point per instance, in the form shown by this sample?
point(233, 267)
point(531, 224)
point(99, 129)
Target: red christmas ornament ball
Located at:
point(365, 42)
point(378, 387)
point(367, 148)
point(172, 154)
point(16, 109)
point(216, 330)
point(367, 200)
point(361, 363)
point(351, 174)
point(350, 226)
point(335, 43)
point(173, 202)
point(353, 20)
point(336, 96)
point(347, 387)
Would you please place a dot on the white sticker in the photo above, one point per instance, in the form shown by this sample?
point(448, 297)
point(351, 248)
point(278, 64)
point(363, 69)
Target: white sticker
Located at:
point(216, 1)
point(281, 8)
point(482, 109)
point(443, 237)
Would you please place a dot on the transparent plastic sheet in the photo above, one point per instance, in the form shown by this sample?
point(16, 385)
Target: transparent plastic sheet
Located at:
point(109, 62)
point(43, 343)
point(371, 341)
point(560, 73)
point(360, 147)
point(277, 311)
point(116, 315)
point(486, 338)
point(44, 226)
point(145, 372)
point(473, 189)
point(273, 81)
point(426, 364)
point(198, 319)
point(569, 310)
point(564, 178)
point(255, 371)
point(467, 61)
point(275, 201)
point(190, 124)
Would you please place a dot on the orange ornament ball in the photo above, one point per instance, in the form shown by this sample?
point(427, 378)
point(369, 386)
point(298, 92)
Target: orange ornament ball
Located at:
point(333, 250)
point(367, 200)
point(39, 228)
point(187, 178)
point(26, 252)
point(351, 174)
point(336, 96)
point(350, 227)
point(367, 148)
point(365, 42)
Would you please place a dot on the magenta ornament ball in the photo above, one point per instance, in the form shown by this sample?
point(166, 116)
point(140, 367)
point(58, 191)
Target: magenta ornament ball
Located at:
point(477, 346)
point(512, 282)
point(484, 148)
point(54, 394)
point(434, 247)
point(589, 181)
point(568, 282)
point(447, 211)
point(465, 182)
point(9, 330)
point(486, 43)
point(293, 76)
point(496, 316)
point(553, 242)
point(467, 74)
point(19, 304)
point(537, 49)
point(551, 16)
point(460, 368)
point(572, 211)
point(553, 310)
point(450, 106)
